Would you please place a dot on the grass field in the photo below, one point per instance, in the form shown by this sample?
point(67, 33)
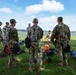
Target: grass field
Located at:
point(50, 68)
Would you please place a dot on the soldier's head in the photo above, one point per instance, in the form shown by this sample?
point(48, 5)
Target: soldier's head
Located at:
point(35, 21)
point(60, 19)
point(13, 22)
point(0, 23)
point(7, 23)
point(49, 31)
point(29, 25)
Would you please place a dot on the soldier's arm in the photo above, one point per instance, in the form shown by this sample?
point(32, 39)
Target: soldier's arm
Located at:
point(53, 34)
point(69, 33)
point(16, 35)
point(29, 33)
point(41, 32)
point(4, 29)
point(1, 36)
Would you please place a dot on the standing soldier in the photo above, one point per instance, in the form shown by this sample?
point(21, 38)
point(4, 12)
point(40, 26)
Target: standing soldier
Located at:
point(13, 39)
point(1, 35)
point(28, 30)
point(60, 38)
point(5, 30)
point(35, 34)
point(49, 36)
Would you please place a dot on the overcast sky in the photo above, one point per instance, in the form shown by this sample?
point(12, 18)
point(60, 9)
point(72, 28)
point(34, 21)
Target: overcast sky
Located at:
point(46, 11)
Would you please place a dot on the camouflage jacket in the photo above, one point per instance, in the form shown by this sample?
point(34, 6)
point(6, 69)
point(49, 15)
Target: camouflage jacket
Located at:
point(36, 33)
point(6, 30)
point(13, 35)
point(1, 35)
point(60, 34)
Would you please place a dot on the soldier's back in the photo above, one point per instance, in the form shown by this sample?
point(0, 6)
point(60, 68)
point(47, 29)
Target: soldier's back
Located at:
point(13, 34)
point(36, 33)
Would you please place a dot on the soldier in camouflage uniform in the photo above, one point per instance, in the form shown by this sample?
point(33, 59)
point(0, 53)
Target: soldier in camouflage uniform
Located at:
point(1, 35)
point(35, 34)
point(5, 31)
point(28, 29)
point(60, 38)
point(13, 39)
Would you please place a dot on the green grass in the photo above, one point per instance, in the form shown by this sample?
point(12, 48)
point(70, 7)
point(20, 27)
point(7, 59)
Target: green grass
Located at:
point(50, 69)
point(73, 37)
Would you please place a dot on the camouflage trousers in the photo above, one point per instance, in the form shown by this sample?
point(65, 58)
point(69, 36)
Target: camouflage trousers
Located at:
point(62, 56)
point(11, 59)
point(34, 52)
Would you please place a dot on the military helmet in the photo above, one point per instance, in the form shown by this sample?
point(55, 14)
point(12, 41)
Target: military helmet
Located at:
point(12, 20)
point(7, 22)
point(35, 20)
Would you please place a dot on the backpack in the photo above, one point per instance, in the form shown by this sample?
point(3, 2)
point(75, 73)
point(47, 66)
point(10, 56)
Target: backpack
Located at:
point(36, 33)
point(6, 50)
point(27, 42)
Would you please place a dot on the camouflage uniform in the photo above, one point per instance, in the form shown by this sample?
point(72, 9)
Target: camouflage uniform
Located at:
point(13, 39)
point(5, 30)
point(28, 31)
point(60, 38)
point(1, 35)
point(6, 35)
point(34, 50)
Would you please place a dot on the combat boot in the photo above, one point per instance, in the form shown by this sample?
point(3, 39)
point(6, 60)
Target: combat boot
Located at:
point(41, 68)
point(65, 63)
point(31, 68)
point(60, 64)
point(9, 65)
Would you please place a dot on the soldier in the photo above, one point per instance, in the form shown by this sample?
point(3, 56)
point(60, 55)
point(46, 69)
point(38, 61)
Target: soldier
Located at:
point(13, 39)
point(35, 34)
point(1, 35)
point(49, 36)
point(60, 38)
point(28, 29)
point(5, 30)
